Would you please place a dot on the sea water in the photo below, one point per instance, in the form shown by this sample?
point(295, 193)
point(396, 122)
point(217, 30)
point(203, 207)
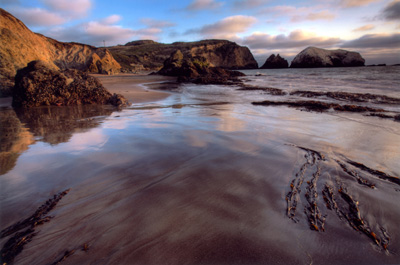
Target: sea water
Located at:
point(206, 177)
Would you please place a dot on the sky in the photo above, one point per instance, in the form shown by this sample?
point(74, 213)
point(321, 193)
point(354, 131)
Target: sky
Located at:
point(371, 27)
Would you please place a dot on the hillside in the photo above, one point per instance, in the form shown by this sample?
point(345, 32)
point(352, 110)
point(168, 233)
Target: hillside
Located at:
point(19, 46)
point(150, 55)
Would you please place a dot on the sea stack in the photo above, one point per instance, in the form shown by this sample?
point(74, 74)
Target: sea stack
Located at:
point(275, 62)
point(312, 57)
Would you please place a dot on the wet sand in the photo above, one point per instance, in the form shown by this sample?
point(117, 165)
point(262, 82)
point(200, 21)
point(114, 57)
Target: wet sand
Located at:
point(194, 181)
point(133, 86)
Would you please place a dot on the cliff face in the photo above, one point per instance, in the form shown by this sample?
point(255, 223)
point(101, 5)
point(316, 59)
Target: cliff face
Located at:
point(316, 57)
point(19, 46)
point(150, 55)
point(274, 62)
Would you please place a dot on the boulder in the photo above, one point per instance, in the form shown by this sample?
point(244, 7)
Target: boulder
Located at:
point(197, 70)
point(275, 62)
point(43, 84)
point(316, 57)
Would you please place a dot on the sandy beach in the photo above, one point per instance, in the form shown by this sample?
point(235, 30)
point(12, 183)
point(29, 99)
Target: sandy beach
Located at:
point(133, 86)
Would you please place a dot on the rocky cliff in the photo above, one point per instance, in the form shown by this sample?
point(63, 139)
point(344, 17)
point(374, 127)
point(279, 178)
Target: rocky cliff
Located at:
point(316, 57)
point(274, 62)
point(150, 55)
point(19, 46)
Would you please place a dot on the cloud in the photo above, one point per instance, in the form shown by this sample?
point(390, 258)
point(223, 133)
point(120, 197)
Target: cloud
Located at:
point(375, 41)
point(356, 3)
point(295, 39)
point(154, 23)
point(364, 28)
point(391, 11)
point(106, 29)
point(298, 14)
point(248, 4)
point(37, 17)
point(197, 5)
point(111, 19)
point(75, 8)
point(226, 28)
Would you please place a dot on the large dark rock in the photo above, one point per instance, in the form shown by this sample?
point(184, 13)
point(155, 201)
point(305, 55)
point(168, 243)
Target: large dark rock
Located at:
point(316, 57)
point(42, 84)
point(197, 70)
point(275, 62)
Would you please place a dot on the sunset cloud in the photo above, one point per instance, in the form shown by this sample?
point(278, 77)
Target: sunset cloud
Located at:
point(364, 28)
point(37, 17)
point(75, 8)
point(295, 39)
point(197, 5)
point(356, 3)
point(298, 14)
point(227, 27)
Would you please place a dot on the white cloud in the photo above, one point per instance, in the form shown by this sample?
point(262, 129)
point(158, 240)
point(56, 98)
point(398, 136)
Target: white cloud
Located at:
point(226, 28)
point(197, 5)
point(37, 17)
point(75, 8)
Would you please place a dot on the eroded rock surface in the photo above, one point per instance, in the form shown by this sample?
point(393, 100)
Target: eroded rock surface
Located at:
point(316, 57)
point(42, 84)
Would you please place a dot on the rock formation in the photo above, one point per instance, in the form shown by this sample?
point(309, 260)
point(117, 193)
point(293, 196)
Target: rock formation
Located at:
point(41, 84)
point(197, 69)
point(316, 57)
point(19, 46)
point(150, 55)
point(274, 62)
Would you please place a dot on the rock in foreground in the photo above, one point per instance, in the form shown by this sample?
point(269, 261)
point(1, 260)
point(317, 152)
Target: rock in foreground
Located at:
point(42, 84)
point(313, 57)
point(275, 62)
point(197, 70)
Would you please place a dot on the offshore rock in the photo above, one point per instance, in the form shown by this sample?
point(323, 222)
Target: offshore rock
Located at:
point(275, 62)
point(150, 55)
point(19, 46)
point(197, 70)
point(42, 84)
point(315, 57)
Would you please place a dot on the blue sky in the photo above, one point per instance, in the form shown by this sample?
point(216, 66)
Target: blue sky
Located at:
point(371, 27)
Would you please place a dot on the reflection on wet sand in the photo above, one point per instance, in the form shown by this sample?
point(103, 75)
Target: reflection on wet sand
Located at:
point(56, 125)
point(212, 184)
point(14, 139)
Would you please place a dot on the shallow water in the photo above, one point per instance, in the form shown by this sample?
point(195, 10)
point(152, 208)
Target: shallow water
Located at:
point(203, 177)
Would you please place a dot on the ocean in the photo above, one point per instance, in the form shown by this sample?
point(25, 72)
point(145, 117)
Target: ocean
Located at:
point(207, 177)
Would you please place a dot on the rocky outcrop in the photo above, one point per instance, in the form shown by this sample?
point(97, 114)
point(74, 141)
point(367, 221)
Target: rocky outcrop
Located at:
point(275, 62)
point(42, 84)
point(19, 46)
point(316, 57)
point(197, 69)
point(150, 55)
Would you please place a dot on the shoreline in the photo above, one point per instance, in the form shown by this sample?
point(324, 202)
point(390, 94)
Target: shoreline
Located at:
point(133, 86)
